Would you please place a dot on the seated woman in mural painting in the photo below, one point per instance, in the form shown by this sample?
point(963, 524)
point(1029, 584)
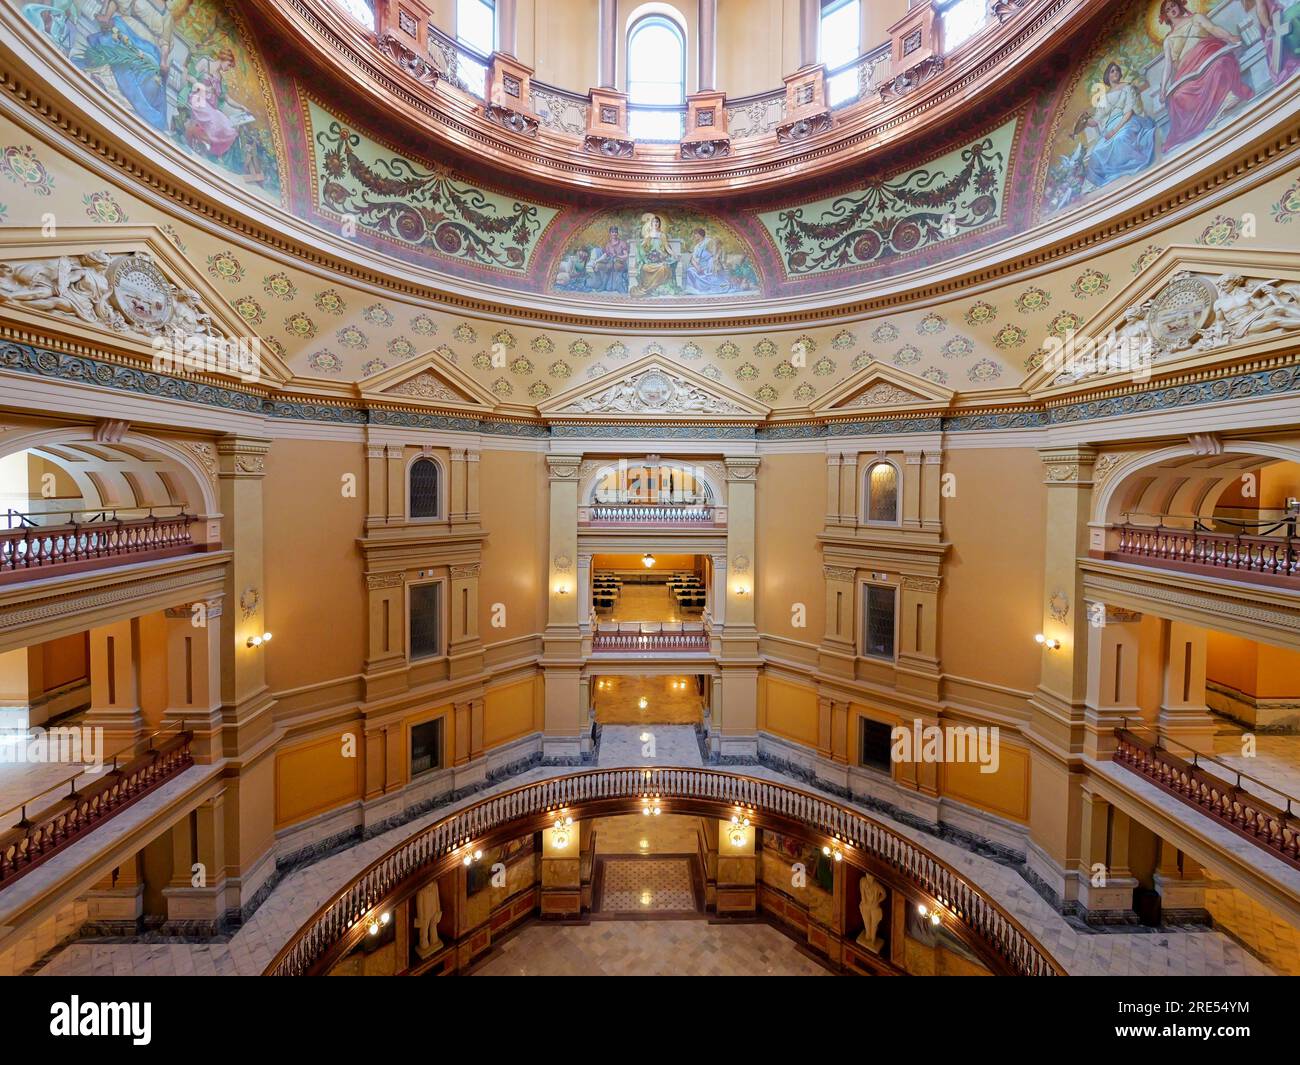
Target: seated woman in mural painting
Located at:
point(706, 272)
point(1202, 76)
point(656, 265)
point(1126, 141)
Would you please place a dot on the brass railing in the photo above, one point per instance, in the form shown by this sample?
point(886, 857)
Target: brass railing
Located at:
point(1275, 829)
point(961, 900)
point(92, 798)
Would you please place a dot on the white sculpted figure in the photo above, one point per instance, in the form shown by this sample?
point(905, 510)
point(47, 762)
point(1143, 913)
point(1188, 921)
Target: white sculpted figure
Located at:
point(872, 908)
point(428, 912)
point(70, 285)
point(1254, 306)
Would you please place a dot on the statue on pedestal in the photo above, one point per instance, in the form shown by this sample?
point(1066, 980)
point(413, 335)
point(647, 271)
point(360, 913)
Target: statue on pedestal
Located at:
point(428, 912)
point(872, 907)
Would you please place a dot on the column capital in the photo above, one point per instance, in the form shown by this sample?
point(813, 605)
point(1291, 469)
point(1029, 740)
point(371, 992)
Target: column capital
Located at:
point(563, 467)
point(394, 451)
point(1068, 465)
point(242, 456)
point(742, 469)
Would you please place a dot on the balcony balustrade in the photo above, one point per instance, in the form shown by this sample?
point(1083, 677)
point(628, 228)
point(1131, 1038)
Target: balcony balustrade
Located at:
point(1274, 828)
point(1259, 552)
point(651, 514)
point(649, 636)
point(48, 544)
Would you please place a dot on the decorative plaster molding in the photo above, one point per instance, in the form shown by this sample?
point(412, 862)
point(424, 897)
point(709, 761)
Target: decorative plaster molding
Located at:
point(376, 581)
point(838, 573)
point(920, 584)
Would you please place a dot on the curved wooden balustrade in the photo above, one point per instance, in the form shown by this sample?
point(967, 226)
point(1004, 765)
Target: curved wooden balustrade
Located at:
point(968, 908)
point(32, 840)
point(1274, 829)
point(1241, 556)
point(41, 550)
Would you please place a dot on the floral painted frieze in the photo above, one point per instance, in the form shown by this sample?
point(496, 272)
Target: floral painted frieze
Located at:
point(367, 185)
point(954, 195)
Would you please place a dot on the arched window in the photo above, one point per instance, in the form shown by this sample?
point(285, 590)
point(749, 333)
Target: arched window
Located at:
point(656, 74)
point(882, 492)
point(424, 489)
point(840, 42)
point(361, 10)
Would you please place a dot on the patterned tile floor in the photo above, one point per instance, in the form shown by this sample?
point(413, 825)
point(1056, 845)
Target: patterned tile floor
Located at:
point(649, 948)
point(647, 885)
point(669, 700)
point(648, 945)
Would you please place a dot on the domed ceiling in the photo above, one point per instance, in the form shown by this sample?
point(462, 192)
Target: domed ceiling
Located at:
point(196, 74)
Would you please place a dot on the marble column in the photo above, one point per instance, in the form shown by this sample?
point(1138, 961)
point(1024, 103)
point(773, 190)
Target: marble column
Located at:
point(809, 29)
point(506, 26)
point(718, 593)
point(608, 26)
point(708, 44)
point(1114, 648)
point(1105, 881)
point(562, 640)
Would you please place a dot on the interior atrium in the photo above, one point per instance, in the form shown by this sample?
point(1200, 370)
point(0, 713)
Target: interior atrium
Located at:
point(697, 487)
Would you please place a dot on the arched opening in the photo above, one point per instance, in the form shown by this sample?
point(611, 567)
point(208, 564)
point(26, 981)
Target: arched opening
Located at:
point(70, 501)
point(1231, 514)
point(881, 493)
point(656, 76)
point(424, 489)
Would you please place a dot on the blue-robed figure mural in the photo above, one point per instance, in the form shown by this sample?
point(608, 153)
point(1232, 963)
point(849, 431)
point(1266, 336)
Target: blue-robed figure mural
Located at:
point(182, 67)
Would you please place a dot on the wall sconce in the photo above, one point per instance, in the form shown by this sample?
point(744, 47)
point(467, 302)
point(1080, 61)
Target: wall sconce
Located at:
point(741, 590)
point(560, 832)
point(650, 806)
point(562, 589)
point(376, 923)
point(257, 641)
point(925, 911)
point(647, 560)
point(642, 703)
point(1049, 643)
point(738, 833)
point(471, 857)
point(833, 851)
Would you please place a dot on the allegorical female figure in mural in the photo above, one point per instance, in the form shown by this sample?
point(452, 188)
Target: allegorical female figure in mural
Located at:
point(655, 261)
point(207, 127)
point(1126, 141)
point(706, 271)
point(1202, 77)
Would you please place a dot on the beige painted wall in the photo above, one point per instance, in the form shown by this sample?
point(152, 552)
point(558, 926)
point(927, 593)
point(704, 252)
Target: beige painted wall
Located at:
point(790, 513)
point(513, 505)
point(993, 577)
point(311, 543)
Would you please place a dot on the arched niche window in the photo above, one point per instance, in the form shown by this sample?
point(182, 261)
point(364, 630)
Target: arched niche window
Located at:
point(424, 489)
point(882, 492)
point(656, 75)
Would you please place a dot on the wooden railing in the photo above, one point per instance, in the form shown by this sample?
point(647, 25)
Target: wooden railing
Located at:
point(961, 900)
point(651, 514)
point(92, 798)
point(1241, 556)
point(651, 637)
point(1275, 829)
point(37, 550)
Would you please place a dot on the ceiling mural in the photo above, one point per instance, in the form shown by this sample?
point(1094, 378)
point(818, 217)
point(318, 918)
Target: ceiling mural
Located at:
point(952, 196)
point(653, 253)
point(185, 67)
point(1169, 73)
point(362, 185)
point(1166, 74)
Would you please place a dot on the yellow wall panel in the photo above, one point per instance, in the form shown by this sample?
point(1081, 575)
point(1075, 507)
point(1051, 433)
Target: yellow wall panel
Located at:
point(792, 711)
point(315, 777)
point(508, 713)
point(1005, 792)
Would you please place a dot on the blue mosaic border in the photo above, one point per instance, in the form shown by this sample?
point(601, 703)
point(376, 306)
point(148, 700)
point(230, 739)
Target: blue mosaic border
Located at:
point(40, 362)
